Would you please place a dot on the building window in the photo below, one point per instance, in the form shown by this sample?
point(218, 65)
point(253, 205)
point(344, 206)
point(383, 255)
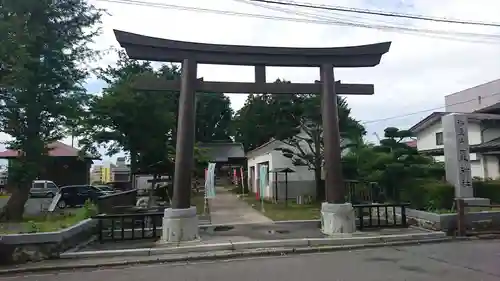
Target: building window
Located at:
point(439, 138)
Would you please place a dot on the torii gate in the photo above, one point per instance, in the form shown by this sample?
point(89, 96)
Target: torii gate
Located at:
point(180, 222)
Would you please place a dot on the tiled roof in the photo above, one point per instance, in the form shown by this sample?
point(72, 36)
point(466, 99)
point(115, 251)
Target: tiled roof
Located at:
point(436, 116)
point(222, 152)
point(492, 145)
point(412, 143)
point(57, 149)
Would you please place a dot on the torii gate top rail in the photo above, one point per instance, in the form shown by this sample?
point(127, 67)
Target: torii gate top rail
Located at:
point(157, 49)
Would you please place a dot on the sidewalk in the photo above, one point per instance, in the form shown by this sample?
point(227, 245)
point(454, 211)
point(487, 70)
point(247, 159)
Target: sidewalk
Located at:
point(226, 208)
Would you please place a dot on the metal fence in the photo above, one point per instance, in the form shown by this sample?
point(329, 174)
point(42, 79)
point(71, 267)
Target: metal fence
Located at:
point(371, 216)
point(118, 227)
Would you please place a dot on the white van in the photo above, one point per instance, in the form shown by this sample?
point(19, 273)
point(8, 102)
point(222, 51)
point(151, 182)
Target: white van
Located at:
point(43, 188)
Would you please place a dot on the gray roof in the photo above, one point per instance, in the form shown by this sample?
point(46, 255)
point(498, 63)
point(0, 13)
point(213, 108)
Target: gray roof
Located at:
point(436, 116)
point(223, 152)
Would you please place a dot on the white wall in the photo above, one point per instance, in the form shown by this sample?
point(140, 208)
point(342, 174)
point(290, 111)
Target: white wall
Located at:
point(276, 160)
point(492, 167)
point(255, 162)
point(468, 100)
point(481, 165)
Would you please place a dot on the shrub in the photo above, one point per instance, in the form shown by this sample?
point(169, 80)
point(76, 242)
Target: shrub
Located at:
point(487, 189)
point(439, 195)
point(427, 194)
point(89, 209)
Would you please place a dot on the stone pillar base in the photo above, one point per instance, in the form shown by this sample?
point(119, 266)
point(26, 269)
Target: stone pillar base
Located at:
point(474, 201)
point(337, 218)
point(180, 225)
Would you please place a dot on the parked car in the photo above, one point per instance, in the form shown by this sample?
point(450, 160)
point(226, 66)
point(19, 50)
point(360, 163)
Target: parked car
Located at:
point(43, 188)
point(77, 195)
point(105, 188)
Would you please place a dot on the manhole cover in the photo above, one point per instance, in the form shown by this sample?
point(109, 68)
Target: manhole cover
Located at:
point(274, 231)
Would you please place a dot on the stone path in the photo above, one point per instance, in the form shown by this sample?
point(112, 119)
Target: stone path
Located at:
point(226, 208)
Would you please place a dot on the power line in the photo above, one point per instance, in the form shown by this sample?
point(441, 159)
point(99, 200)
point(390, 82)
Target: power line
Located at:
point(400, 29)
point(424, 111)
point(377, 13)
point(424, 32)
point(329, 22)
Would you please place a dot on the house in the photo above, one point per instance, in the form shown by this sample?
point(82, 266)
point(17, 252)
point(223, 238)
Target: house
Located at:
point(66, 165)
point(102, 173)
point(301, 181)
point(481, 104)
point(484, 98)
point(120, 172)
point(266, 157)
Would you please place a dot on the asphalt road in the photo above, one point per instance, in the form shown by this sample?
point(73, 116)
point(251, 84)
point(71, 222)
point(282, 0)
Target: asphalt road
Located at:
point(472, 260)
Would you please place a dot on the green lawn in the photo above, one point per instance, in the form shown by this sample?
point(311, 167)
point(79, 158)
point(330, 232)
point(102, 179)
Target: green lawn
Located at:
point(198, 200)
point(280, 212)
point(47, 222)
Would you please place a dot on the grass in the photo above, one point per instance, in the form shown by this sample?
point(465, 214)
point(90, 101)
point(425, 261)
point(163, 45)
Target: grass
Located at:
point(49, 222)
point(198, 200)
point(46, 223)
point(280, 212)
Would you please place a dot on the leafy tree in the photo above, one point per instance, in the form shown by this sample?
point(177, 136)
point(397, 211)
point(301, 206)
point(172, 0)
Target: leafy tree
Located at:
point(392, 164)
point(125, 119)
point(213, 117)
point(262, 116)
point(305, 143)
point(43, 50)
point(144, 123)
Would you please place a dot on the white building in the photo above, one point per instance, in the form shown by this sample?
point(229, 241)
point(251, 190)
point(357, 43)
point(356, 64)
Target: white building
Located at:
point(301, 181)
point(481, 104)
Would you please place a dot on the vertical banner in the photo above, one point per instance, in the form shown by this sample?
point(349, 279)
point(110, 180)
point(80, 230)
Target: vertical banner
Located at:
point(242, 181)
point(263, 181)
point(210, 181)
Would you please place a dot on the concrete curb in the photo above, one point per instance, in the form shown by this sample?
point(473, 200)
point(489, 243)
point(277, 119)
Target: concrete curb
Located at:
point(216, 256)
point(246, 245)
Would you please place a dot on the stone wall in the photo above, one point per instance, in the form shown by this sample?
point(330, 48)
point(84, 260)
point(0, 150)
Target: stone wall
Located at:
point(30, 247)
point(475, 221)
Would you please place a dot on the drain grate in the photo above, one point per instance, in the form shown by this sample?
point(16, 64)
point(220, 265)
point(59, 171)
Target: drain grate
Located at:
point(223, 228)
point(277, 231)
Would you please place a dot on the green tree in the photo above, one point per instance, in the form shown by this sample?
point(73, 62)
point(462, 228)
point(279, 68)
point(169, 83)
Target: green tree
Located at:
point(394, 165)
point(144, 123)
point(305, 143)
point(42, 52)
point(213, 117)
point(262, 116)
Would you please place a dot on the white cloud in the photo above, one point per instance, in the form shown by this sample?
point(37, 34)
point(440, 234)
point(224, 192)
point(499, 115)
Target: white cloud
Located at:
point(415, 75)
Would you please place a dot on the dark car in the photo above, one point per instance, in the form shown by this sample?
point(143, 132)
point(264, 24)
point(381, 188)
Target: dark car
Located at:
point(77, 195)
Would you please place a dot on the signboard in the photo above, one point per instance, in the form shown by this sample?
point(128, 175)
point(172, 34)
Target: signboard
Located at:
point(457, 156)
point(210, 181)
point(55, 200)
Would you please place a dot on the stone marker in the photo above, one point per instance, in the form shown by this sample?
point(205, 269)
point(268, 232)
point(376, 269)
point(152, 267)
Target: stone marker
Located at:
point(457, 157)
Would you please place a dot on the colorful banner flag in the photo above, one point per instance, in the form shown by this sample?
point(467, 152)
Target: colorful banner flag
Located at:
point(263, 180)
point(210, 181)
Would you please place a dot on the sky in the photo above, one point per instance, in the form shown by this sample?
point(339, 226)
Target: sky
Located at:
point(410, 82)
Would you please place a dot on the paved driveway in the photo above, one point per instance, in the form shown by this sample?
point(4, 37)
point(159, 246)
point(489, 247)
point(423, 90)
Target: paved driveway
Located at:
point(33, 206)
point(475, 260)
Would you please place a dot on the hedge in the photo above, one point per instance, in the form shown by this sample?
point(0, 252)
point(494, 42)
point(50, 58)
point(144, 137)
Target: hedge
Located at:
point(440, 195)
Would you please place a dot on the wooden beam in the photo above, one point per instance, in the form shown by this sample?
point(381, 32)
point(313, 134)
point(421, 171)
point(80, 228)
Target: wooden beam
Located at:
point(155, 84)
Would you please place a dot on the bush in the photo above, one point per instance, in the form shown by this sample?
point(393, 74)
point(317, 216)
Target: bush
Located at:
point(429, 195)
point(487, 189)
point(434, 195)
